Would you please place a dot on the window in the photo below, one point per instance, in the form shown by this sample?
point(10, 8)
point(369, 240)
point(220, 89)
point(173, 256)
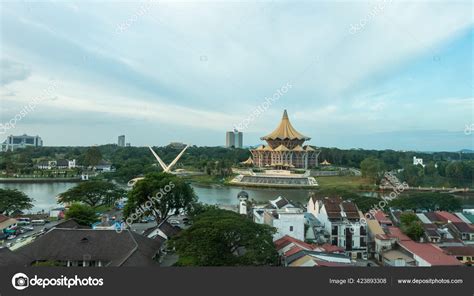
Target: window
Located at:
point(291, 228)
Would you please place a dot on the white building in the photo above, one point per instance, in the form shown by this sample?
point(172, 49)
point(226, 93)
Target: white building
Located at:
point(341, 221)
point(287, 222)
point(418, 161)
point(276, 204)
point(56, 164)
point(284, 216)
point(16, 142)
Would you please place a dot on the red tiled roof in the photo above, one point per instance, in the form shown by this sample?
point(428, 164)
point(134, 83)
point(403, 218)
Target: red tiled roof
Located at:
point(446, 216)
point(293, 250)
point(382, 218)
point(397, 232)
point(286, 240)
point(430, 253)
point(300, 246)
point(463, 227)
point(330, 248)
point(459, 251)
point(329, 264)
point(385, 236)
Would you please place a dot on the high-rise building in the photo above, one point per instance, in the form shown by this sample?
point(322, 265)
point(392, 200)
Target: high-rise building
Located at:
point(121, 141)
point(234, 139)
point(15, 142)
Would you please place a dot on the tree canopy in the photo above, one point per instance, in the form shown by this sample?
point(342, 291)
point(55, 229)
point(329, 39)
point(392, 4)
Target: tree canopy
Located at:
point(429, 201)
point(372, 168)
point(174, 195)
point(12, 200)
point(93, 193)
point(83, 214)
point(411, 226)
point(93, 156)
point(224, 238)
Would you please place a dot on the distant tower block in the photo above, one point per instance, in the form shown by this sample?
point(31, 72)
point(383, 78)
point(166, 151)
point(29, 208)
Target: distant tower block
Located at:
point(234, 139)
point(243, 197)
point(121, 141)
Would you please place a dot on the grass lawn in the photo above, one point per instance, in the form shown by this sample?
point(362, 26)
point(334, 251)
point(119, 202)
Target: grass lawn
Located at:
point(349, 182)
point(204, 179)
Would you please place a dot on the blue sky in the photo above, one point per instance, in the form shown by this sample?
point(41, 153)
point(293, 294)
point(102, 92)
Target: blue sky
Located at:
point(377, 74)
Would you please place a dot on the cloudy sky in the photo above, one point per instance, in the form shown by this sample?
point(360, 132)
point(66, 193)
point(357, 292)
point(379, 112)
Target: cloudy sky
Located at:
point(363, 74)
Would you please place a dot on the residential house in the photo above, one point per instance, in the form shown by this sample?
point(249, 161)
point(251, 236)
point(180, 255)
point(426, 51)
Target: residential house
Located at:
point(277, 204)
point(296, 253)
point(465, 254)
point(383, 219)
point(164, 231)
point(288, 221)
point(94, 248)
point(462, 231)
point(283, 215)
point(341, 220)
point(420, 254)
point(374, 229)
point(104, 166)
point(432, 235)
point(466, 218)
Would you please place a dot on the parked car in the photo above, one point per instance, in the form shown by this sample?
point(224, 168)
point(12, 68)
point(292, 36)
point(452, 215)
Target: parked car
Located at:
point(174, 222)
point(23, 221)
point(38, 222)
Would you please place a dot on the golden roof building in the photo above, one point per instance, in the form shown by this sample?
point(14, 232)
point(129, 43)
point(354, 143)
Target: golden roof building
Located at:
point(285, 148)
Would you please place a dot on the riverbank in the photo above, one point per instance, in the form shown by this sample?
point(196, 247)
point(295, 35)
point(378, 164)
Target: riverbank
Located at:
point(41, 180)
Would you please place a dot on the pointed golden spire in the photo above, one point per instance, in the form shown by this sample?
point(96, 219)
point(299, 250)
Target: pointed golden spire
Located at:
point(285, 131)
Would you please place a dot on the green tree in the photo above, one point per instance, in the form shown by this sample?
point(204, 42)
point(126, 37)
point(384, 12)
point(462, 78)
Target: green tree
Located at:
point(224, 238)
point(83, 214)
point(12, 200)
point(414, 230)
point(175, 195)
point(93, 156)
point(413, 175)
point(372, 168)
point(429, 201)
point(408, 218)
point(93, 193)
point(411, 226)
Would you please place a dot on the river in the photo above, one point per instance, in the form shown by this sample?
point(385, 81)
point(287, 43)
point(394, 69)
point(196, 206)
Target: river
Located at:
point(44, 194)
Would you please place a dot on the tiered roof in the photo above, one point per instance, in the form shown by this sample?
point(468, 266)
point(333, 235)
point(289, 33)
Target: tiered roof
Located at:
point(285, 131)
point(282, 147)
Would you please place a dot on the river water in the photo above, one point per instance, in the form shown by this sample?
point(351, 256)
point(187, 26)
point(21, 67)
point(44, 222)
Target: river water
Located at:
point(44, 194)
